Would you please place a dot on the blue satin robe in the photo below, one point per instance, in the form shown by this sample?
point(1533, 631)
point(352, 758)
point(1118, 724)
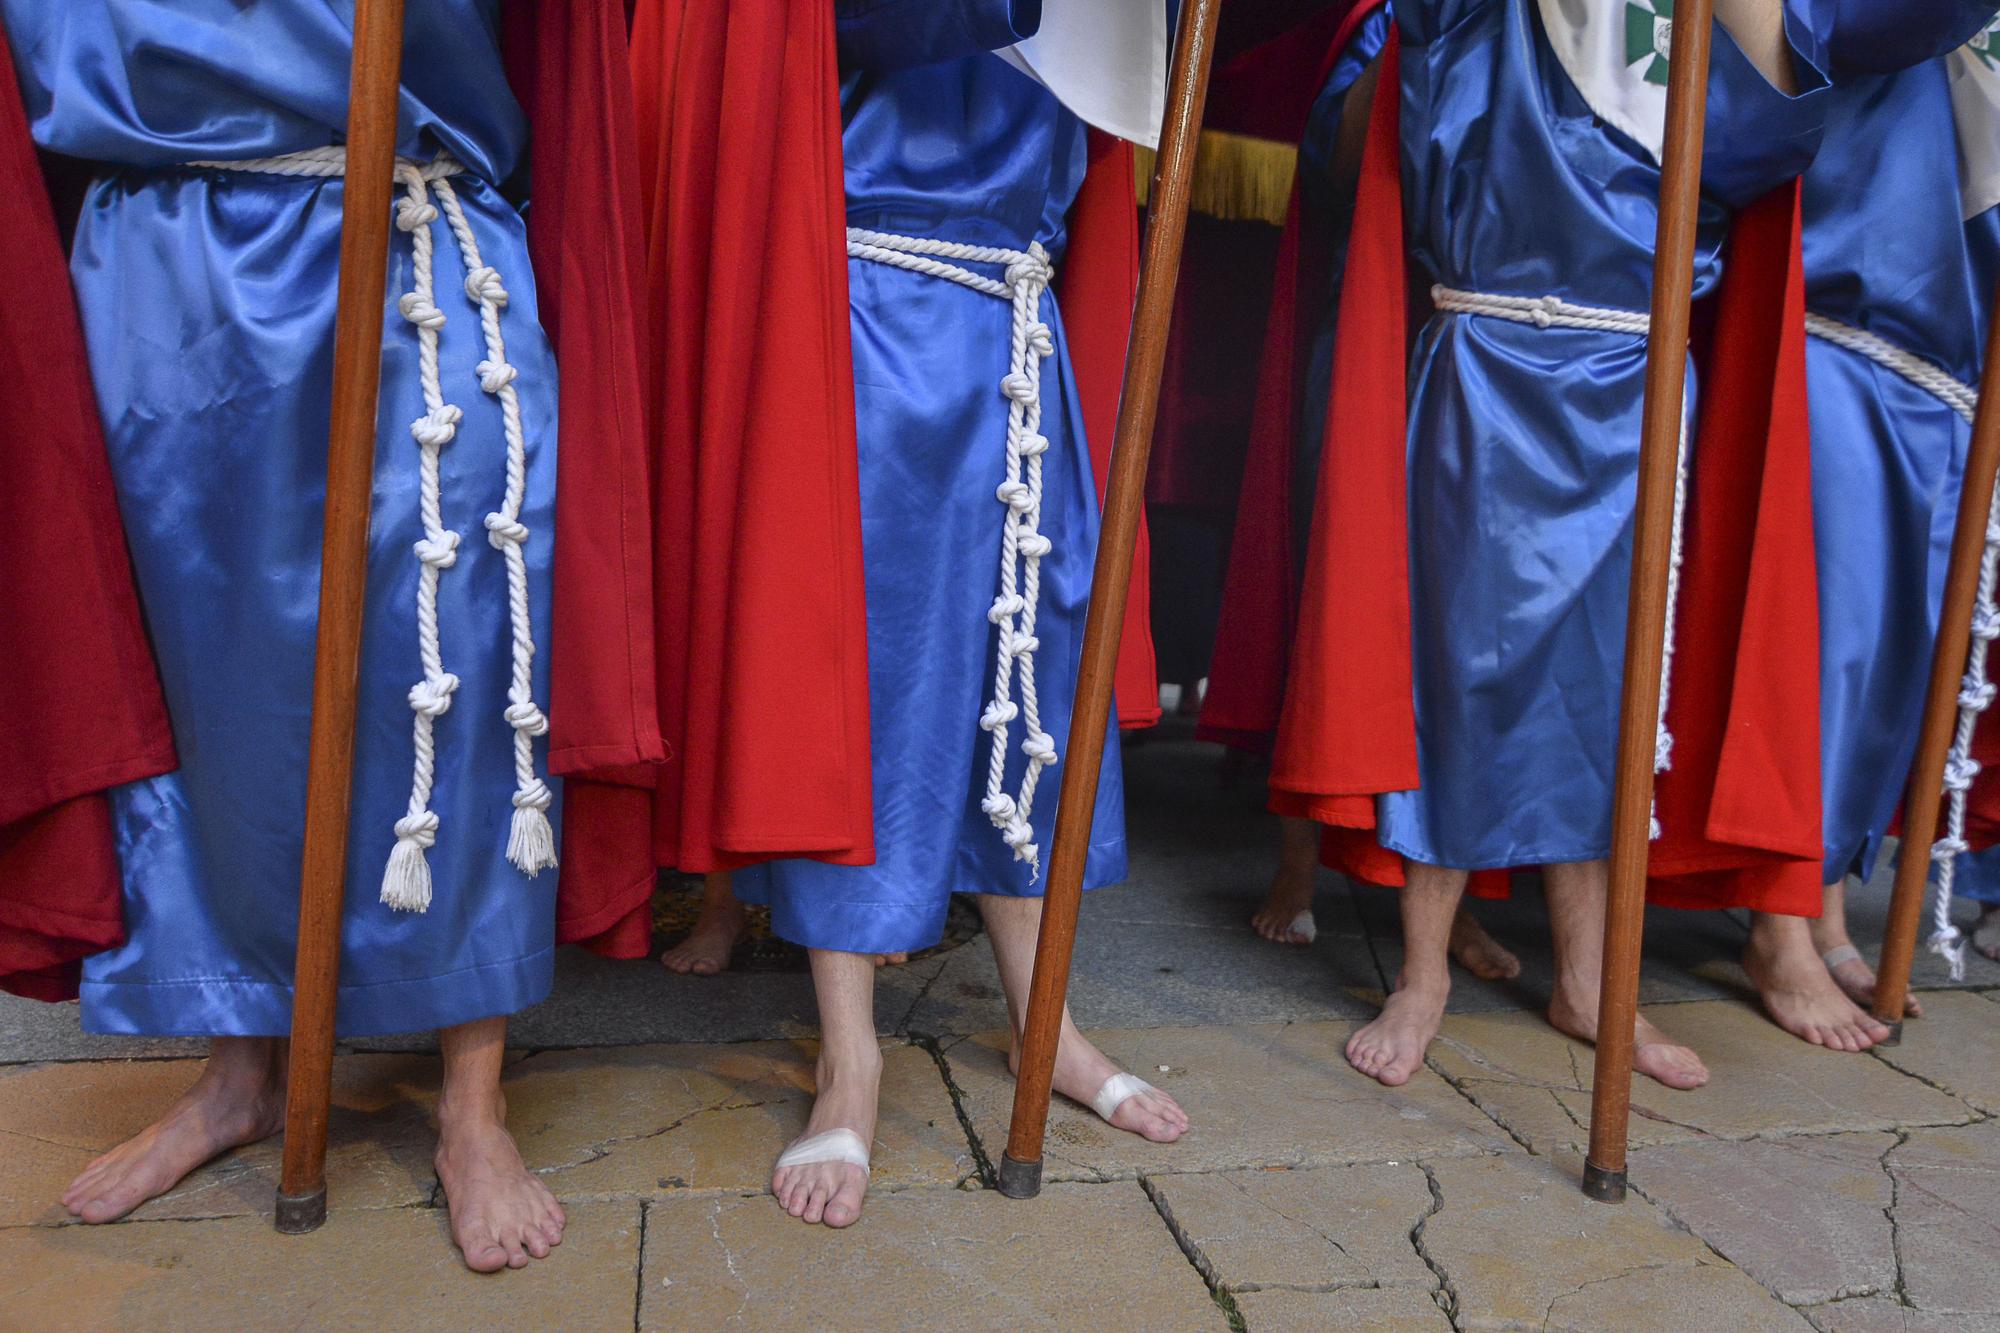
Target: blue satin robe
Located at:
point(208, 303)
point(943, 140)
point(1885, 251)
point(1523, 443)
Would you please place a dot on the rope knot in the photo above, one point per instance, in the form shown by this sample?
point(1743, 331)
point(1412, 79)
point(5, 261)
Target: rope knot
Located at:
point(534, 795)
point(1016, 495)
point(412, 213)
point(999, 808)
point(419, 311)
point(1018, 387)
point(1032, 543)
point(496, 375)
point(1018, 644)
point(1986, 624)
point(1042, 339)
point(1006, 604)
point(1032, 267)
point(526, 717)
point(998, 714)
point(1947, 847)
point(439, 552)
point(1544, 311)
point(1040, 747)
point(420, 828)
point(431, 696)
point(1976, 697)
point(1959, 771)
point(437, 427)
point(502, 531)
point(1034, 445)
point(483, 285)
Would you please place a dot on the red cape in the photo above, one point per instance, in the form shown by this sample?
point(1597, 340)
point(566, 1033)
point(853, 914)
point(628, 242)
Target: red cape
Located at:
point(1741, 806)
point(85, 711)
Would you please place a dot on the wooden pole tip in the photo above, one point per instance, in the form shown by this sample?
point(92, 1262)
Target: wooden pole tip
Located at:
point(1018, 1179)
point(301, 1213)
point(1602, 1185)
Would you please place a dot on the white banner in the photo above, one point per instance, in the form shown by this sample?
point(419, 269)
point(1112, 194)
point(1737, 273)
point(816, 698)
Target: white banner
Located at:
point(1106, 60)
point(1615, 52)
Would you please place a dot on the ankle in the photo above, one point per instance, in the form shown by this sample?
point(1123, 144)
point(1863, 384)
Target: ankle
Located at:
point(1429, 983)
point(848, 1063)
point(471, 1109)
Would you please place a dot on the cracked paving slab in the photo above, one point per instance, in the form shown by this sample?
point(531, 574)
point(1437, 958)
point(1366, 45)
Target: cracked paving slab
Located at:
point(1764, 1083)
point(1955, 1045)
point(647, 1120)
point(1519, 1246)
point(1807, 1217)
point(54, 1119)
point(380, 1268)
point(1313, 1230)
point(1278, 1094)
point(1884, 1314)
point(1077, 1256)
point(1947, 1215)
point(1351, 1310)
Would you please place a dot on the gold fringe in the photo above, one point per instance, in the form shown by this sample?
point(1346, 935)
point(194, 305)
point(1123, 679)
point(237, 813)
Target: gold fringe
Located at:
point(1237, 178)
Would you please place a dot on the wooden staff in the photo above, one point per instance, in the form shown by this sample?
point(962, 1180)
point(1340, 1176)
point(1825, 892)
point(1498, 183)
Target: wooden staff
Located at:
point(350, 479)
point(1145, 360)
point(1646, 617)
point(1948, 665)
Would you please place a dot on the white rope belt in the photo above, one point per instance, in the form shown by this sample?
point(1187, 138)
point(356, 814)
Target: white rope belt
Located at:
point(1546, 312)
point(1022, 545)
point(1976, 692)
point(406, 882)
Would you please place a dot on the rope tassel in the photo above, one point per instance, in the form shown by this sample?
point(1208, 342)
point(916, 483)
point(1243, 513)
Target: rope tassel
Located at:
point(1023, 545)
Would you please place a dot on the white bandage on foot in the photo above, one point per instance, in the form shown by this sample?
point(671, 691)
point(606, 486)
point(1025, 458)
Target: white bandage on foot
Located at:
point(1304, 926)
point(836, 1145)
point(1117, 1090)
point(1846, 953)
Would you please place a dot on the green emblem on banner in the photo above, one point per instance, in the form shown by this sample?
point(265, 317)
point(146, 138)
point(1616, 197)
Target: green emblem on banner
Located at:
point(1649, 36)
point(1987, 47)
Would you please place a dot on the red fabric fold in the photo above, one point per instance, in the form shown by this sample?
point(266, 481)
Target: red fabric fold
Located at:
point(1260, 598)
point(567, 63)
point(762, 636)
point(1740, 808)
point(84, 705)
point(1095, 287)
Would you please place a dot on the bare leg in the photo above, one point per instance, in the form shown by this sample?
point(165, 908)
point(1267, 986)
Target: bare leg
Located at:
point(1576, 894)
point(1986, 934)
point(239, 1098)
point(1799, 994)
point(502, 1214)
point(1390, 1049)
point(1853, 975)
point(716, 932)
point(1291, 891)
point(1478, 952)
point(849, 1080)
point(1013, 925)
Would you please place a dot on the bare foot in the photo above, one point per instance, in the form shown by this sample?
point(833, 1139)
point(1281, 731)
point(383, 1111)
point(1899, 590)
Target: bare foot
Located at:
point(502, 1214)
point(1478, 952)
point(1850, 971)
point(1653, 1053)
point(891, 959)
point(1391, 1048)
point(707, 949)
point(1798, 992)
point(832, 1192)
point(1857, 982)
point(1082, 1069)
point(239, 1099)
point(1986, 935)
point(1290, 898)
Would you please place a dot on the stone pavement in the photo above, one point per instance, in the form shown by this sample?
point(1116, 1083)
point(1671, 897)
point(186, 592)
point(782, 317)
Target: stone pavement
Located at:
point(1803, 1189)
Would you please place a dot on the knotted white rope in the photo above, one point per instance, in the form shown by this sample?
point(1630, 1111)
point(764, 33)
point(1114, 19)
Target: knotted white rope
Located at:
point(1976, 691)
point(1022, 545)
point(1546, 312)
point(406, 881)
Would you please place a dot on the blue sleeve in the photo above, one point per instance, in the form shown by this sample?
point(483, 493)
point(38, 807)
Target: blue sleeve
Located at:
point(1322, 132)
point(895, 34)
point(1882, 36)
point(1421, 20)
point(1757, 136)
